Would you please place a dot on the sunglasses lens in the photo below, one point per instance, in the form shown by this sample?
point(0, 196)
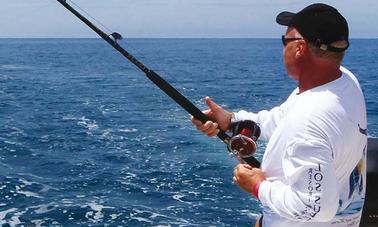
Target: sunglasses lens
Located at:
point(286, 40)
point(283, 40)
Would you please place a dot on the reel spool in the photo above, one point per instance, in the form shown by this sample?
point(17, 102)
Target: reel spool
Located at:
point(244, 136)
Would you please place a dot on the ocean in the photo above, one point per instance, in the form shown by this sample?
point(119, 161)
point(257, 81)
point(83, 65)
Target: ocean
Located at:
point(87, 140)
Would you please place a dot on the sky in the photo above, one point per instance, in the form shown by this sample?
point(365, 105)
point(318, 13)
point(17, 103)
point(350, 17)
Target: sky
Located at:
point(172, 18)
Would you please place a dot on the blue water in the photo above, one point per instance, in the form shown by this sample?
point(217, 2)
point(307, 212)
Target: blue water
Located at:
point(87, 140)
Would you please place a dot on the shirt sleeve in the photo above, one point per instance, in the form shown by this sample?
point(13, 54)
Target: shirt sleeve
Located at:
point(310, 190)
point(267, 120)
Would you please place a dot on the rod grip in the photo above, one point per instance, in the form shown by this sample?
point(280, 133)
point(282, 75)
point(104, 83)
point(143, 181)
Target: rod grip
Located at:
point(252, 161)
point(203, 118)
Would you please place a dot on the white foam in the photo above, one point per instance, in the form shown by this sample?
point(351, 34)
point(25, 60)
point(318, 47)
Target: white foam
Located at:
point(153, 215)
point(105, 110)
point(95, 215)
point(10, 142)
point(4, 213)
point(129, 130)
point(142, 219)
point(88, 124)
point(250, 214)
point(38, 222)
point(27, 193)
point(115, 216)
point(44, 208)
point(179, 197)
point(15, 67)
point(15, 219)
point(25, 182)
point(67, 202)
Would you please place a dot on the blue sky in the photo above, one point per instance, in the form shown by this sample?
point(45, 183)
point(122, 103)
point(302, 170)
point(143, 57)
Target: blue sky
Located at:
point(173, 18)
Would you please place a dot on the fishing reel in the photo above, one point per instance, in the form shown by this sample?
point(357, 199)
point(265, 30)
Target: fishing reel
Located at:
point(243, 140)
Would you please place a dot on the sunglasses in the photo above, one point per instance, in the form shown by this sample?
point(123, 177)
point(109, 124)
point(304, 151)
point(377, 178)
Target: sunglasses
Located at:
point(285, 40)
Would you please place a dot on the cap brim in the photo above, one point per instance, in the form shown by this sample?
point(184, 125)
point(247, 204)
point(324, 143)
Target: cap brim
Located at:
point(285, 18)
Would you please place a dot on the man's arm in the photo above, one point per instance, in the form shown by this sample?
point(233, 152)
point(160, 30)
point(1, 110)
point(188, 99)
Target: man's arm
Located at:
point(221, 118)
point(309, 191)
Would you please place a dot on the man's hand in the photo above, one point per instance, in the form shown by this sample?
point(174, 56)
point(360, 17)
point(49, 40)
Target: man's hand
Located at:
point(218, 116)
point(248, 177)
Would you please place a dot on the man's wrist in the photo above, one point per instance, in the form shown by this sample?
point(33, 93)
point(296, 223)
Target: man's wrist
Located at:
point(232, 117)
point(255, 189)
point(231, 120)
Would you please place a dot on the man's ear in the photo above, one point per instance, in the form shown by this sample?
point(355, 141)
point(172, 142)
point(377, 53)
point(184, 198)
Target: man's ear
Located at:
point(301, 49)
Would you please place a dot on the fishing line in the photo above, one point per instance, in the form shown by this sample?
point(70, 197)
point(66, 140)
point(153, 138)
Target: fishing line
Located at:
point(243, 138)
point(123, 41)
point(89, 15)
point(109, 30)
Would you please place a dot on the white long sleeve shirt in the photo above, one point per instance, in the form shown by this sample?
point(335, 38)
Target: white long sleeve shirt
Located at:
point(315, 159)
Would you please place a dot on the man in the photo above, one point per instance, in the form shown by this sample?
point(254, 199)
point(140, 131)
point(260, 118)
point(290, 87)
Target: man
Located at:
point(313, 170)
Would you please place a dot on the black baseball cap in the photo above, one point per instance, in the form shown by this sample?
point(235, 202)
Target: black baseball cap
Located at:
point(319, 24)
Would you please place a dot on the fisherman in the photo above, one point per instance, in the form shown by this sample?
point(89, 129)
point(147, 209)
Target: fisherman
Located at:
point(314, 166)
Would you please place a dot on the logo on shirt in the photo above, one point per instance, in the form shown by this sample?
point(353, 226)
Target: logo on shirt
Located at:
point(355, 180)
point(314, 188)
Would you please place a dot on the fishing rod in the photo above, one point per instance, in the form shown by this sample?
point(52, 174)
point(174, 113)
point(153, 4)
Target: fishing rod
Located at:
point(170, 90)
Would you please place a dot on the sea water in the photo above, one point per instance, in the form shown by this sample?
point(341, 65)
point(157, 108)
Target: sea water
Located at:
point(87, 140)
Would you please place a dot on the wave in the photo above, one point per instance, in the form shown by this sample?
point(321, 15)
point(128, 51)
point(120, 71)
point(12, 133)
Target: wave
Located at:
point(15, 67)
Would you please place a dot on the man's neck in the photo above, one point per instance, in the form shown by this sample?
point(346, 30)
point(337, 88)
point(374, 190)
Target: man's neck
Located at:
point(317, 75)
